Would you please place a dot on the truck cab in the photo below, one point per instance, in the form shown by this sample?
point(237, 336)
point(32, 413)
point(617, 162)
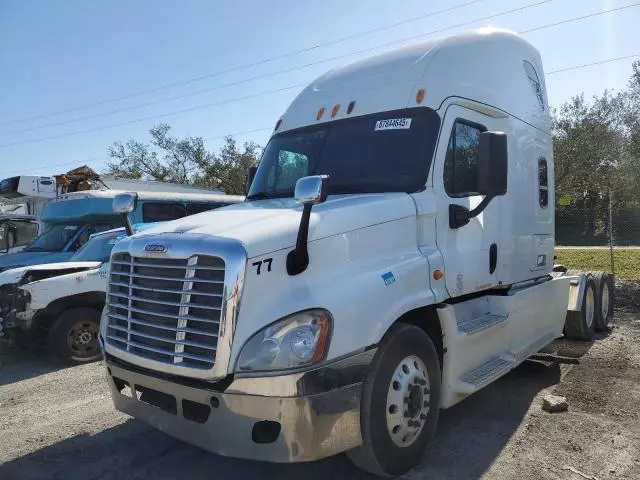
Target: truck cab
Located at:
point(17, 231)
point(393, 256)
point(70, 219)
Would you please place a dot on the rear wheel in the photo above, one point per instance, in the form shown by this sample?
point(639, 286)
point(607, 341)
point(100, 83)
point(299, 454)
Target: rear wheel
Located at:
point(605, 288)
point(400, 403)
point(580, 325)
point(73, 337)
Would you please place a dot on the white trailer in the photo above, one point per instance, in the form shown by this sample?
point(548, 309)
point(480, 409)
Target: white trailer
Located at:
point(394, 256)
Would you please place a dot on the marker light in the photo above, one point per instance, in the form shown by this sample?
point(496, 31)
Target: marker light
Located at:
point(334, 112)
point(420, 96)
point(320, 113)
point(350, 107)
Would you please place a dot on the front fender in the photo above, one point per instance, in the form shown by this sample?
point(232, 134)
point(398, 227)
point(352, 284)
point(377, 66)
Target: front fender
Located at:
point(366, 278)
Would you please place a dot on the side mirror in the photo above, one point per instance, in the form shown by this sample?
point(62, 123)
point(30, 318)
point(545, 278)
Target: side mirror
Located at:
point(251, 174)
point(4, 239)
point(492, 164)
point(124, 204)
point(492, 177)
point(311, 190)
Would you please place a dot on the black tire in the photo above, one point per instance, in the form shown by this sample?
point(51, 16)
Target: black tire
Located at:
point(379, 454)
point(576, 325)
point(70, 331)
point(605, 288)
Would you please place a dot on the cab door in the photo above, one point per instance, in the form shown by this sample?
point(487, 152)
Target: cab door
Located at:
point(472, 253)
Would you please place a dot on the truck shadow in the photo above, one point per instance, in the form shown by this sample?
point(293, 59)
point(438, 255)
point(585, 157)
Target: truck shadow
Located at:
point(470, 437)
point(17, 365)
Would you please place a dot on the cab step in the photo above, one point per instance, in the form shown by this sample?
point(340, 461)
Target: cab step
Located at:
point(478, 324)
point(484, 374)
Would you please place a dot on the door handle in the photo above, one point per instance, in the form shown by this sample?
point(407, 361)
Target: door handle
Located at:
point(493, 257)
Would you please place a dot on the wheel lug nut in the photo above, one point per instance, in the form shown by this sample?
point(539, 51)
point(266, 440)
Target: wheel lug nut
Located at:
point(423, 416)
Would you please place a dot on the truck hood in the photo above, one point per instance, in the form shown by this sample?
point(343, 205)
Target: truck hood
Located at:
point(12, 260)
point(14, 275)
point(265, 226)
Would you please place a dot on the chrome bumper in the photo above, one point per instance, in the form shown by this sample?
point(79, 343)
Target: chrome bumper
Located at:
point(289, 418)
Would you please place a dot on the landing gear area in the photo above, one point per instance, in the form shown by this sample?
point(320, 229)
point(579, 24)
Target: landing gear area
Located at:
point(593, 301)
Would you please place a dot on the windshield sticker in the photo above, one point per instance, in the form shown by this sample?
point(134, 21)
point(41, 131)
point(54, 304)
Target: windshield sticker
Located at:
point(71, 227)
point(393, 124)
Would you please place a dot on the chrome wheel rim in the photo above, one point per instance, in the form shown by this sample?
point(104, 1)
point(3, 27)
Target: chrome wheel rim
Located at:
point(408, 401)
point(605, 303)
point(589, 306)
point(82, 339)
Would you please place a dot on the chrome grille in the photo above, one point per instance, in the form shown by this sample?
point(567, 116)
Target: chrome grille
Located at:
point(166, 309)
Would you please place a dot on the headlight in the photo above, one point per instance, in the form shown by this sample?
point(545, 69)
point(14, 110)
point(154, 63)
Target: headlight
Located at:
point(298, 340)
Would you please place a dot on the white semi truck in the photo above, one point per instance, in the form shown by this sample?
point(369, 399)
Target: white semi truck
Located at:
point(394, 255)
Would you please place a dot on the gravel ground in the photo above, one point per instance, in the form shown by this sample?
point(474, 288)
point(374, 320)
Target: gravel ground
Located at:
point(60, 424)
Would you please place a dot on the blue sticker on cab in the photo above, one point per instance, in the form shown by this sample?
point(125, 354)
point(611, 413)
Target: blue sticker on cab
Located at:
point(388, 278)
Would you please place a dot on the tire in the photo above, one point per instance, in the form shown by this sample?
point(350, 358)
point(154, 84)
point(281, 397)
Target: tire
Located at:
point(581, 325)
point(73, 337)
point(605, 288)
point(402, 347)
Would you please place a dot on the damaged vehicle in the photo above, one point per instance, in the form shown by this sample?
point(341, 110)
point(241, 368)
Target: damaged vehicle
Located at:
point(59, 303)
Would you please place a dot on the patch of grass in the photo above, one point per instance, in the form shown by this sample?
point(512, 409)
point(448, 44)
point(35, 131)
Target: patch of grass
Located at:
point(626, 261)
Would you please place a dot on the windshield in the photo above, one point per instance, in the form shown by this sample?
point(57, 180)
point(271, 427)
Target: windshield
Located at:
point(98, 248)
point(53, 239)
point(384, 152)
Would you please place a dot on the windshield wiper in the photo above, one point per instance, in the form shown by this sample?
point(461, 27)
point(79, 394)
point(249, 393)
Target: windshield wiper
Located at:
point(34, 249)
point(260, 196)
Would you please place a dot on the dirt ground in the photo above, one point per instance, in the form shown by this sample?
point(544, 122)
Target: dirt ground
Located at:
point(60, 424)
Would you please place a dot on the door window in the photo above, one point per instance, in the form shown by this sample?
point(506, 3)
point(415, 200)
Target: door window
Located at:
point(89, 230)
point(461, 162)
point(543, 183)
point(21, 233)
point(162, 211)
point(193, 208)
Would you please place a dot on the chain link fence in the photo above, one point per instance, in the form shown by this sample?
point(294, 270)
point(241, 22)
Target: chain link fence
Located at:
point(599, 225)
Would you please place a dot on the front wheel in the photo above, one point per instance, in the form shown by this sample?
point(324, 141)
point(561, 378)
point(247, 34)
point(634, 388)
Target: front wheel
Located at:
point(73, 337)
point(400, 403)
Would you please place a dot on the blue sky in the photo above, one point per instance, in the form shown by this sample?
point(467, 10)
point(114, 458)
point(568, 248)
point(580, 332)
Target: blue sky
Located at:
point(57, 56)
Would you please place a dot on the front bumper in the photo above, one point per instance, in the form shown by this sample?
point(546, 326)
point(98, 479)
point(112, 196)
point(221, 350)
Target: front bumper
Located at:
point(289, 418)
point(15, 310)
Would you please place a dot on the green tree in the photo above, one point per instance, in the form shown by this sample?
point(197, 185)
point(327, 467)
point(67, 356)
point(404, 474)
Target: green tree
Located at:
point(187, 161)
point(227, 169)
point(596, 149)
point(164, 159)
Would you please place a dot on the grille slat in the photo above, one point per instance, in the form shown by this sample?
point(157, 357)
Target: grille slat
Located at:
point(160, 326)
point(165, 290)
point(168, 278)
point(137, 298)
point(144, 311)
point(166, 309)
point(136, 333)
point(163, 351)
